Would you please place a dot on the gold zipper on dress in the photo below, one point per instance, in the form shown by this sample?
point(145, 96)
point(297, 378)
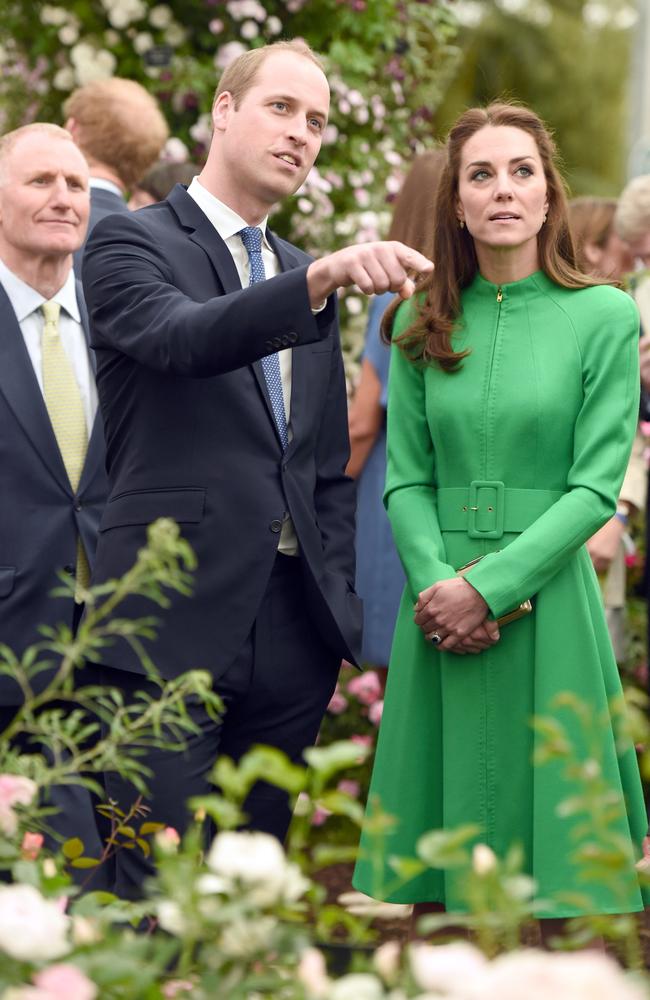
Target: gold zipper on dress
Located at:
point(499, 294)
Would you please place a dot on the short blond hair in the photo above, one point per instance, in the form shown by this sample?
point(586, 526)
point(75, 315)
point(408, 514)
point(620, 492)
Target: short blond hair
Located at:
point(240, 75)
point(633, 213)
point(119, 124)
point(10, 139)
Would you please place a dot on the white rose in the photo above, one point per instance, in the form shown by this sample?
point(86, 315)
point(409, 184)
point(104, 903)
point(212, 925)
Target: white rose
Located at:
point(91, 64)
point(142, 42)
point(53, 15)
point(68, 34)
point(443, 967)
point(227, 53)
point(175, 151)
point(175, 35)
point(274, 25)
point(247, 938)
point(160, 16)
point(538, 975)
point(249, 29)
point(255, 862)
point(170, 917)
point(32, 929)
point(359, 986)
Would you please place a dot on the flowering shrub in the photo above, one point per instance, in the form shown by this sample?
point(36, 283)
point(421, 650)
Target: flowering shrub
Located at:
point(387, 62)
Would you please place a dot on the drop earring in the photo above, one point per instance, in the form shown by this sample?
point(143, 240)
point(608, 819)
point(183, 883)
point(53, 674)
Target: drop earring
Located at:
point(462, 223)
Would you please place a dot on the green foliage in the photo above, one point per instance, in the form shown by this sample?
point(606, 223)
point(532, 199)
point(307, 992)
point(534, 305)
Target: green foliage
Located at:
point(569, 67)
point(387, 62)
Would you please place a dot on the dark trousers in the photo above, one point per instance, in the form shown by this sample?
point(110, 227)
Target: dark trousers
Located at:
point(75, 814)
point(275, 692)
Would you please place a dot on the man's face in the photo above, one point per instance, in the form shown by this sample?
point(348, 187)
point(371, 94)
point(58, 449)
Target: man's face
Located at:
point(270, 141)
point(44, 200)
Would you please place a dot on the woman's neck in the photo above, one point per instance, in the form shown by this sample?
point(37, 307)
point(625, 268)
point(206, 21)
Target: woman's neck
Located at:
point(503, 265)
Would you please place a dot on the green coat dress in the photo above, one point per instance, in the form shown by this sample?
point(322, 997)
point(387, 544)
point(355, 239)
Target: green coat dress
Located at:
point(518, 456)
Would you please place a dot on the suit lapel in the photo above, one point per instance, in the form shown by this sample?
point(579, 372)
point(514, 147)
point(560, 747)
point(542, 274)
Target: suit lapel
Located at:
point(20, 388)
point(203, 233)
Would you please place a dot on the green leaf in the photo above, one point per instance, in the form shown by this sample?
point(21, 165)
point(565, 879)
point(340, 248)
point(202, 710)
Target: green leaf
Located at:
point(84, 863)
point(447, 848)
point(327, 761)
point(73, 848)
point(147, 828)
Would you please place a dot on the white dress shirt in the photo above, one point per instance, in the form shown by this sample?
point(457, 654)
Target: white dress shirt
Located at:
point(228, 224)
point(103, 185)
point(26, 303)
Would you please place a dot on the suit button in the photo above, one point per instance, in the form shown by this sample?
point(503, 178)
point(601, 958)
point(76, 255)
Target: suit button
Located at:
point(277, 343)
point(268, 345)
point(275, 525)
point(77, 505)
point(69, 569)
point(292, 338)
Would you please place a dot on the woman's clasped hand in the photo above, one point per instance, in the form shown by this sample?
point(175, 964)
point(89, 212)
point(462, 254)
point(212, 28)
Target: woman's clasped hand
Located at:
point(453, 615)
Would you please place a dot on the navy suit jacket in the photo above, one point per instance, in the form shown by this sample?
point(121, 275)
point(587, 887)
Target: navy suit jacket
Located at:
point(40, 515)
point(190, 432)
point(102, 203)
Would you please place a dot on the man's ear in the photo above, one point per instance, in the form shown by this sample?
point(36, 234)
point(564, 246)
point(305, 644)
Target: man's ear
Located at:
point(222, 108)
point(593, 253)
point(71, 127)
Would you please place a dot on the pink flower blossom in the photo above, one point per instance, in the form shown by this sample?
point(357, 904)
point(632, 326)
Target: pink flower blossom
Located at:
point(349, 787)
point(176, 988)
point(65, 982)
point(375, 712)
point(14, 790)
point(31, 846)
point(320, 815)
point(338, 703)
point(366, 687)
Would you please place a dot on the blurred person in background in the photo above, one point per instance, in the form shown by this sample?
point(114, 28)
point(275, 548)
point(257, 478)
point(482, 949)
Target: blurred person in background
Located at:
point(602, 253)
point(632, 224)
point(158, 182)
point(380, 577)
point(121, 131)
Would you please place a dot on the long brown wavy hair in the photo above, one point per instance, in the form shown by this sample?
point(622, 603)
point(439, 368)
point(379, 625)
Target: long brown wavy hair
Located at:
point(429, 337)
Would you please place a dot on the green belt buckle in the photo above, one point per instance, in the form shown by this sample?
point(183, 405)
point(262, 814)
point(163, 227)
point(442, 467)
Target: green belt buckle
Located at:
point(486, 508)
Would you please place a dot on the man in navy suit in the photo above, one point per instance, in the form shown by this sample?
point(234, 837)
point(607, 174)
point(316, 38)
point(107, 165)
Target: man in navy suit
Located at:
point(121, 131)
point(52, 481)
point(222, 388)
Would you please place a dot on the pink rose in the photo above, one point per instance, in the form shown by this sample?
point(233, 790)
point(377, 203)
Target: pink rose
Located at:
point(14, 790)
point(177, 988)
point(65, 982)
point(338, 703)
point(31, 846)
point(375, 712)
point(366, 687)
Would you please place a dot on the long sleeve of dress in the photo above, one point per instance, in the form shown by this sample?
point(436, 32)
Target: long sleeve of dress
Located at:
point(411, 472)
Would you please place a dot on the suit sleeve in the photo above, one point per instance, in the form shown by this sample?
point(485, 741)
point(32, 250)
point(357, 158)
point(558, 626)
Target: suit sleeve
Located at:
point(136, 309)
point(603, 437)
point(410, 495)
point(335, 492)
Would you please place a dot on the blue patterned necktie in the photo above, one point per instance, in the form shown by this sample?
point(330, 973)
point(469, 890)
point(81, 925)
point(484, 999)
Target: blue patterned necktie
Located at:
point(251, 237)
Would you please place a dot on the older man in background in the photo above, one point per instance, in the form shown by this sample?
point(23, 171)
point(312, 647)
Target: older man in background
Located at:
point(120, 129)
point(52, 481)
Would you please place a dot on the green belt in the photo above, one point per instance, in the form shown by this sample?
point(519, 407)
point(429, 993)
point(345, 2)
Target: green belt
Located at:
point(486, 509)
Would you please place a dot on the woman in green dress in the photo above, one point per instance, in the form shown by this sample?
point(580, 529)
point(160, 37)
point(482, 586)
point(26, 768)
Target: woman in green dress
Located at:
point(513, 400)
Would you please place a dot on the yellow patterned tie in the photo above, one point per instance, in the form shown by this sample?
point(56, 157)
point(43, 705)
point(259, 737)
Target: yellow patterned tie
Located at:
point(65, 407)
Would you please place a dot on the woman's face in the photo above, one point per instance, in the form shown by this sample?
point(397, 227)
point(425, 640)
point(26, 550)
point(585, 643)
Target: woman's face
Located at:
point(502, 190)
